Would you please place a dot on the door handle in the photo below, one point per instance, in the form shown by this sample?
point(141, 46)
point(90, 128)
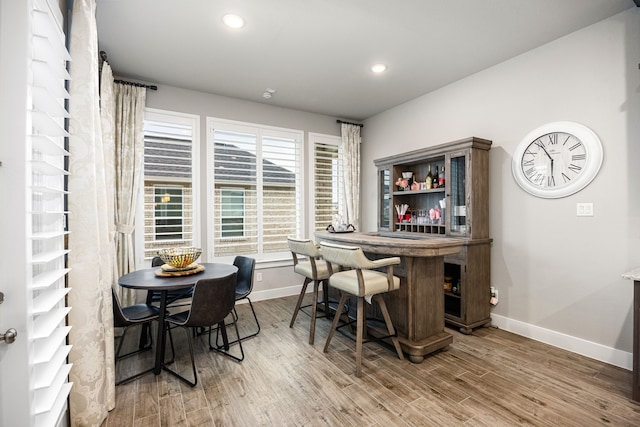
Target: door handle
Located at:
point(9, 336)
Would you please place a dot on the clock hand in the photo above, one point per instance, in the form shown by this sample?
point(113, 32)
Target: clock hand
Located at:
point(545, 152)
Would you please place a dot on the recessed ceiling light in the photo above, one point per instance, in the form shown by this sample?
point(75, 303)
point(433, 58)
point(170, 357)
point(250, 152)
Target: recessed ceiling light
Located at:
point(233, 21)
point(378, 68)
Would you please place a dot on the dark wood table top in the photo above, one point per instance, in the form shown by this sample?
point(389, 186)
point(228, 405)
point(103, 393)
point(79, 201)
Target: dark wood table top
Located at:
point(147, 278)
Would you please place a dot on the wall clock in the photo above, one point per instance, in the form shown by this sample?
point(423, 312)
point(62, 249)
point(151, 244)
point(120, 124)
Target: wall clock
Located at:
point(557, 159)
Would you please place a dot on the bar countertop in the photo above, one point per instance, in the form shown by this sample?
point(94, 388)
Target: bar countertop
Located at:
point(398, 244)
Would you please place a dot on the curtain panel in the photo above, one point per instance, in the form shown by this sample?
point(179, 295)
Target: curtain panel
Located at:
point(351, 149)
point(129, 150)
point(90, 242)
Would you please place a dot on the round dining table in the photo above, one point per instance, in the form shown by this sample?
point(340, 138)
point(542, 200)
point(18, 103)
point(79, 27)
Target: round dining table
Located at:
point(149, 279)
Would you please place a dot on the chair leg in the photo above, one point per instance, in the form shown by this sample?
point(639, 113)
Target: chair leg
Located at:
point(299, 303)
point(359, 333)
point(336, 318)
point(193, 363)
point(325, 298)
point(118, 357)
point(390, 328)
point(314, 310)
point(223, 349)
point(254, 318)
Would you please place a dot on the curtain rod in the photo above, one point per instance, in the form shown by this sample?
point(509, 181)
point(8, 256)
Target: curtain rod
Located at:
point(103, 58)
point(152, 87)
point(349, 123)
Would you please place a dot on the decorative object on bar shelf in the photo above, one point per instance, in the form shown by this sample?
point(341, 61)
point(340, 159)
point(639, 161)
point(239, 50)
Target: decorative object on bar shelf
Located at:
point(429, 179)
point(179, 258)
point(406, 181)
point(435, 215)
point(435, 180)
point(341, 228)
point(401, 210)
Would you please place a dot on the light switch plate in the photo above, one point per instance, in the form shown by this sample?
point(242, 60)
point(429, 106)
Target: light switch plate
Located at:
point(584, 209)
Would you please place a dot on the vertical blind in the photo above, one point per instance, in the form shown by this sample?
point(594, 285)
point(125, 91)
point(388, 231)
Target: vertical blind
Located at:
point(46, 163)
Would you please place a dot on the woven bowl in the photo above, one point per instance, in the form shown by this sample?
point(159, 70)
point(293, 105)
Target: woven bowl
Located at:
point(179, 257)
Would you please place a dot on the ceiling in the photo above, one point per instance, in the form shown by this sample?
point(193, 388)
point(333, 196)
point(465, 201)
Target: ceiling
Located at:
point(316, 54)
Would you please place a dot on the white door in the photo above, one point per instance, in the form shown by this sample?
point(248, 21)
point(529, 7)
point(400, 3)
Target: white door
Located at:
point(33, 369)
point(15, 402)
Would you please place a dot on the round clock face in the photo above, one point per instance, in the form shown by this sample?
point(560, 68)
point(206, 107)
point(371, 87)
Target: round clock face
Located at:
point(557, 159)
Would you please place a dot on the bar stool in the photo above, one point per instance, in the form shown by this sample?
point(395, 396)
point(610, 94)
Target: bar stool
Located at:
point(360, 281)
point(314, 270)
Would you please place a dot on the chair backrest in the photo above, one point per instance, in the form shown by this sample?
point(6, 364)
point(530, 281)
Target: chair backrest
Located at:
point(119, 319)
point(346, 256)
point(246, 267)
point(304, 247)
point(212, 301)
point(156, 261)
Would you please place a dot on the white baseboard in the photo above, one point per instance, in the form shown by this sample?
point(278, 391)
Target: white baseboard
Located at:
point(586, 348)
point(276, 293)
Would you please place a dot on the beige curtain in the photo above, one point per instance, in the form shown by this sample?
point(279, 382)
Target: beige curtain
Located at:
point(90, 244)
point(351, 161)
point(107, 122)
point(128, 143)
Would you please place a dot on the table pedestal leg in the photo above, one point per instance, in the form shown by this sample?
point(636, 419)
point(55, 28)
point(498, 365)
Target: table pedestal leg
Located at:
point(161, 340)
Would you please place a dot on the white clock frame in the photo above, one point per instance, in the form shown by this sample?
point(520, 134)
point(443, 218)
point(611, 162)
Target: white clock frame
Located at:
point(594, 157)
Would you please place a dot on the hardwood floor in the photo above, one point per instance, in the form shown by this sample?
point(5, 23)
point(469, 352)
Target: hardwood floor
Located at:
point(489, 378)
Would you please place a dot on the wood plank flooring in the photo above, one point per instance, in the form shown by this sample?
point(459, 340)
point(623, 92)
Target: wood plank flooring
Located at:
point(489, 378)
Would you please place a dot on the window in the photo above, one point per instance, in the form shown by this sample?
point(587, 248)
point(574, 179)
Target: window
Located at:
point(232, 213)
point(168, 213)
point(328, 191)
point(169, 208)
point(255, 176)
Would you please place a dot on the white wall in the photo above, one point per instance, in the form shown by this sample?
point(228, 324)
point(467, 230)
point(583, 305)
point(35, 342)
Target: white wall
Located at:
point(558, 275)
point(276, 281)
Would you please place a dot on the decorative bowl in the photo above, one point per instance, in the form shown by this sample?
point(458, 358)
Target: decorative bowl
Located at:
point(407, 175)
point(179, 257)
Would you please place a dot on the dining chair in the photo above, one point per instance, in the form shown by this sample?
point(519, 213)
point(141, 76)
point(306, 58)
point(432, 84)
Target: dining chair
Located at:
point(246, 268)
point(313, 269)
point(126, 317)
point(172, 296)
point(212, 301)
point(361, 280)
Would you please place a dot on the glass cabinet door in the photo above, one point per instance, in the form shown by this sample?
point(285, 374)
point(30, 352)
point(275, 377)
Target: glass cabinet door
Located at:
point(384, 208)
point(457, 200)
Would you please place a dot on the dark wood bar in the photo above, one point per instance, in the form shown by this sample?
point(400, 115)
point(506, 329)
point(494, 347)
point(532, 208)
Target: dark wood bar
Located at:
point(417, 308)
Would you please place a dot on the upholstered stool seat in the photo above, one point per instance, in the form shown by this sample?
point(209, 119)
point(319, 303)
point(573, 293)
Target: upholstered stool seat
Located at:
point(360, 280)
point(313, 269)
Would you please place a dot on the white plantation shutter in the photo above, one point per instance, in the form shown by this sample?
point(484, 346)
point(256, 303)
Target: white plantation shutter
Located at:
point(255, 173)
point(169, 170)
point(50, 384)
point(328, 190)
